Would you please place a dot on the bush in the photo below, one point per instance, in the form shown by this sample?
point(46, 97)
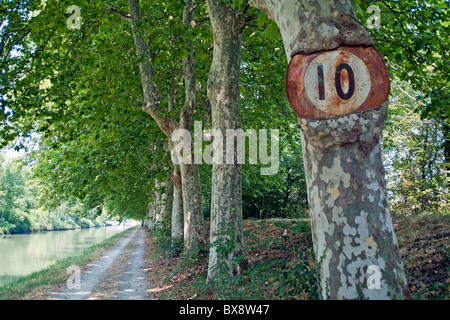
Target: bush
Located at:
point(172, 247)
point(85, 223)
point(5, 226)
point(277, 267)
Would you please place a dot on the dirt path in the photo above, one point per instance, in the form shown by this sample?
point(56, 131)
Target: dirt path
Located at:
point(118, 275)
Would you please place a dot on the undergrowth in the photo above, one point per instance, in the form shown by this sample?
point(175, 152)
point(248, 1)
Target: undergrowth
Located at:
point(278, 264)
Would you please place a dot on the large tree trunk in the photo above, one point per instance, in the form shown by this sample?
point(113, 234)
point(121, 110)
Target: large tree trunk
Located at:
point(194, 224)
point(353, 234)
point(223, 93)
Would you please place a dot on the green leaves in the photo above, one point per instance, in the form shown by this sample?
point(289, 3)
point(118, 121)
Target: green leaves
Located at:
point(415, 155)
point(413, 38)
point(271, 30)
point(81, 89)
point(262, 19)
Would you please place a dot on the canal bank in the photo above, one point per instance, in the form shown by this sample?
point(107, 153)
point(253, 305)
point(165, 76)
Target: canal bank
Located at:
point(32, 286)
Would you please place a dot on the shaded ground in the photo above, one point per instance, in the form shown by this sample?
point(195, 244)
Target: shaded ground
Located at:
point(425, 248)
point(276, 270)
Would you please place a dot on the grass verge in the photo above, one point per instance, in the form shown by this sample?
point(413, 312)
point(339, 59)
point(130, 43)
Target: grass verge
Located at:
point(36, 284)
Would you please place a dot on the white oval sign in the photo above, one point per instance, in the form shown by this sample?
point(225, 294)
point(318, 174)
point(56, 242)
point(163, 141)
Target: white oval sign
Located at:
point(337, 82)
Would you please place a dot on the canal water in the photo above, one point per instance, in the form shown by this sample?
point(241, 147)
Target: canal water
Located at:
point(23, 254)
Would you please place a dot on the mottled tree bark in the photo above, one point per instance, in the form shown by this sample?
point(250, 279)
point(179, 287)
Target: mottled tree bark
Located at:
point(351, 223)
point(152, 215)
point(223, 94)
point(194, 224)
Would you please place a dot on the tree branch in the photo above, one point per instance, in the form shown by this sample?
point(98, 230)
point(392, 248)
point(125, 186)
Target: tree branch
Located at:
point(122, 14)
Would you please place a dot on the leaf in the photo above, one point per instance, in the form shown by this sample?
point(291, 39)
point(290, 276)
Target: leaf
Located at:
point(271, 30)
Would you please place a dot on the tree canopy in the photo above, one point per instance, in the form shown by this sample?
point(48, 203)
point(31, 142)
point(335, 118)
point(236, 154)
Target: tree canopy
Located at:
point(79, 88)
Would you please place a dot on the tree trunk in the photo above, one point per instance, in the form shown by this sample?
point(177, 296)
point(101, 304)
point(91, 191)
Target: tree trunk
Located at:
point(446, 146)
point(151, 214)
point(158, 202)
point(223, 93)
point(166, 201)
point(353, 234)
point(177, 204)
point(194, 223)
point(194, 231)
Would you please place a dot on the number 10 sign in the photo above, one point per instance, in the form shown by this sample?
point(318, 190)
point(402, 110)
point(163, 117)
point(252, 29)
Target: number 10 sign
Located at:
point(332, 83)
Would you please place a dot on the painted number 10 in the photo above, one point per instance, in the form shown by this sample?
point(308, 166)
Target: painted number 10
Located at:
point(338, 81)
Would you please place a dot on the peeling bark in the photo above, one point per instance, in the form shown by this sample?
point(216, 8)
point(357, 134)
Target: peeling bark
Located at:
point(194, 225)
point(223, 93)
point(350, 217)
point(311, 25)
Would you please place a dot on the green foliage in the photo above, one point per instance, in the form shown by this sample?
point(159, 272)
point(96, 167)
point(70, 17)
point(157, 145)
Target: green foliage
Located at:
point(87, 98)
point(273, 277)
point(161, 231)
point(415, 159)
point(15, 198)
point(5, 226)
point(413, 39)
point(172, 247)
point(81, 91)
point(20, 211)
point(283, 195)
point(301, 280)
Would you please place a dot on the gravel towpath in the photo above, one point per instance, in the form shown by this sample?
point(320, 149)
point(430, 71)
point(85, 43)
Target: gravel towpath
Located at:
point(118, 275)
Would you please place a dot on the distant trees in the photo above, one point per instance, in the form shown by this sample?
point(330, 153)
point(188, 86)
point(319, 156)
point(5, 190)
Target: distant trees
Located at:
point(21, 212)
point(415, 158)
point(15, 198)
